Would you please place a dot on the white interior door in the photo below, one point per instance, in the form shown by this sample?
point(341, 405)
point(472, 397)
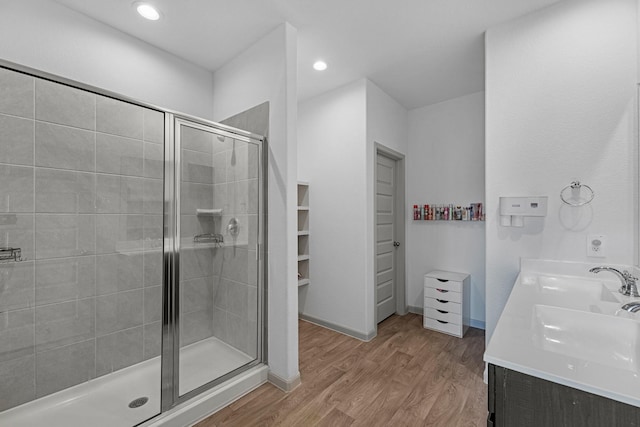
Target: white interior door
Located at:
point(385, 237)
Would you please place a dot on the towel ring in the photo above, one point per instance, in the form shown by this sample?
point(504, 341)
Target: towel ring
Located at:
point(576, 185)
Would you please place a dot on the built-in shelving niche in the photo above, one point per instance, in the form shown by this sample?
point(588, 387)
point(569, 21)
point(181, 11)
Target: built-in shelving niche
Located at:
point(303, 234)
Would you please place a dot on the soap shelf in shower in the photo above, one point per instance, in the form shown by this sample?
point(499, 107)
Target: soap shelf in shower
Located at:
point(208, 212)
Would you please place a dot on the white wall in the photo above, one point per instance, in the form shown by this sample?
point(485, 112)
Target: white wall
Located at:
point(267, 72)
point(445, 164)
point(560, 106)
point(636, 167)
point(337, 132)
point(44, 35)
point(332, 158)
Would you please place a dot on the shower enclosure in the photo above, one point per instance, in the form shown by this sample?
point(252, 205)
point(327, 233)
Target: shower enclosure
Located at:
point(131, 265)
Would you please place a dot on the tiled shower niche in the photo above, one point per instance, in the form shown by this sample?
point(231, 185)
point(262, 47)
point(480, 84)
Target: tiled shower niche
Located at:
point(82, 196)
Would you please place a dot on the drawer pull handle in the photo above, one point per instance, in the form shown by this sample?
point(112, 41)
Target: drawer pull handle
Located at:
point(442, 311)
point(442, 321)
point(442, 280)
point(441, 301)
point(444, 291)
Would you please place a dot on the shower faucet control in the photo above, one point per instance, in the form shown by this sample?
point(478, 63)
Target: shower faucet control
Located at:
point(233, 227)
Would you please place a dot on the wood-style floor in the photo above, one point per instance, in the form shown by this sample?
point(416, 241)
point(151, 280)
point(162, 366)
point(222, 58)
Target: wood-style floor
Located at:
point(406, 376)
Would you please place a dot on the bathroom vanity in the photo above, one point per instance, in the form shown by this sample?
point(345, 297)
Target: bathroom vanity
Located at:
point(517, 399)
point(563, 352)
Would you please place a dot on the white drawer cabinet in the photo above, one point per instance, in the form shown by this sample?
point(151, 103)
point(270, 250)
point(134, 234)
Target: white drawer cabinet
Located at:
point(443, 295)
point(442, 326)
point(446, 302)
point(442, 305)
point(446, 285)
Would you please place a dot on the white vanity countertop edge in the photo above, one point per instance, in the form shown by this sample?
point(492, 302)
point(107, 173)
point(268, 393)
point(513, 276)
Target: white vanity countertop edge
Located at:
point(512, 345)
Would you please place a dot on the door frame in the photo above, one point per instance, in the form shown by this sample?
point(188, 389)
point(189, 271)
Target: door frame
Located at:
point(399, 229)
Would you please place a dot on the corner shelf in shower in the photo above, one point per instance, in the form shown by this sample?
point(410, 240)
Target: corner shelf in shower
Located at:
point(209, 212)
point(303, 234)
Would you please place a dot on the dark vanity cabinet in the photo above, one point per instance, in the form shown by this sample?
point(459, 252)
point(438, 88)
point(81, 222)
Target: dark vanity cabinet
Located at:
point(520, 400)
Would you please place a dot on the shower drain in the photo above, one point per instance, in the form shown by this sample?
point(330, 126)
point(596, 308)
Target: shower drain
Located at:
point(136, 403)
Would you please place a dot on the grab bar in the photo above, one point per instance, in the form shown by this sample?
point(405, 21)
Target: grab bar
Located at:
point(209, 238)
point(11, 255)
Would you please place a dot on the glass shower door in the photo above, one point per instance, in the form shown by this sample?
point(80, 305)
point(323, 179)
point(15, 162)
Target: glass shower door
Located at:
point(218, 187)
point(80, 255)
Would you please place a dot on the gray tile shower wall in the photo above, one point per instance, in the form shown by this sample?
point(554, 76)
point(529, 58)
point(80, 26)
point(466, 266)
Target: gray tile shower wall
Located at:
point(235, 322)
point(82, 195)
point(236, 191)
point(235, 299)
point(218, 286)
point(197, 267)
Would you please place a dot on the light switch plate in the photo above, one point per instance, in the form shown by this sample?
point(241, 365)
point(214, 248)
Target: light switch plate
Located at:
point(596, 246)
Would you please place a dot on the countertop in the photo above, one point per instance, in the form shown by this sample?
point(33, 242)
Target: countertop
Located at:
point(603, 360)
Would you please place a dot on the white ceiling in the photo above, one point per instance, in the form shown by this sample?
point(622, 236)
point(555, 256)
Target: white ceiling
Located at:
point(418, 51)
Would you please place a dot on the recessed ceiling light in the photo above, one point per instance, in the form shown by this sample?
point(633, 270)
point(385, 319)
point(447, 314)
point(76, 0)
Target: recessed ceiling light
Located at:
point(319, 65)
point(147, 11)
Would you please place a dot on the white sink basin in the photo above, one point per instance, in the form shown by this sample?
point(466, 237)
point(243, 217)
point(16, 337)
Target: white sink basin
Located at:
point(607, 340)
point(573, 288)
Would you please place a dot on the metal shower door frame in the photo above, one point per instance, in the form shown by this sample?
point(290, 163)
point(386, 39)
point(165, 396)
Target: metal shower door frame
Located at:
point(170, 394)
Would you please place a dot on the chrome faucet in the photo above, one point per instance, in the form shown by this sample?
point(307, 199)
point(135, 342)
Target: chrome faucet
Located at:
point(632, 307)
point(629, 287)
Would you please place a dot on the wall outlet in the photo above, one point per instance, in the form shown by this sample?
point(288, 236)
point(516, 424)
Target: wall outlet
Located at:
point(596, 246)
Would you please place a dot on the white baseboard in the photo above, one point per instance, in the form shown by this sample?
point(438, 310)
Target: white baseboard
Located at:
point(338, 328)
point(282, 384)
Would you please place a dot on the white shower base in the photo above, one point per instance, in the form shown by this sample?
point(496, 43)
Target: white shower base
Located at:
point(103, 402)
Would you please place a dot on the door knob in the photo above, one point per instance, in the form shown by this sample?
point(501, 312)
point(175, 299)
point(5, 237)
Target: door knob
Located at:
point(396, 244)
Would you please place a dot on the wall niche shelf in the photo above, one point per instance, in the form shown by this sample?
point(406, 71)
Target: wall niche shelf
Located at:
point(479, 221)
point(303, 282)
point(303, 234)
point(209, 212)
point(473, 212)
